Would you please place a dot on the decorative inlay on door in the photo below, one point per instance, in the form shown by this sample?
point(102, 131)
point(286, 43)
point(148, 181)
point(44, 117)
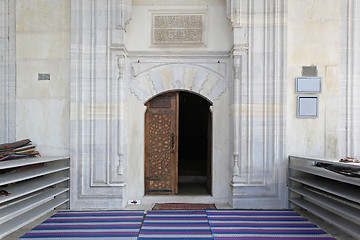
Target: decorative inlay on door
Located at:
point(160, 144)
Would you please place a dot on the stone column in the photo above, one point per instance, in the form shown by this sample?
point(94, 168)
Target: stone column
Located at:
point(238, 55)
point(236, 118)
point(120, 135)
point(120, 16)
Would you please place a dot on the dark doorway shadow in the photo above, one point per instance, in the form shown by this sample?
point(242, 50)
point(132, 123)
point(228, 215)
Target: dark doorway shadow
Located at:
point(195, 138)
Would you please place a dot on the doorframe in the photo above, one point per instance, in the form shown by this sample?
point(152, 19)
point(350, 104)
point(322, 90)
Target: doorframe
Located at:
point(209, 161)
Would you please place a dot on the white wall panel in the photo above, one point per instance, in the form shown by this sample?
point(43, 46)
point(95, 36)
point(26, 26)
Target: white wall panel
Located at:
point(7, 71)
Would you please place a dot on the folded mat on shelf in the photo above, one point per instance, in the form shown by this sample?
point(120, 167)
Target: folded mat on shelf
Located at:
point(17, 149)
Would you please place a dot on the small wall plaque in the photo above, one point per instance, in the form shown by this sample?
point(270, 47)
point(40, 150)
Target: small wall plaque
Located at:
point(308, 84)
point(44, 76)
point(308, 106)
point(309, 71)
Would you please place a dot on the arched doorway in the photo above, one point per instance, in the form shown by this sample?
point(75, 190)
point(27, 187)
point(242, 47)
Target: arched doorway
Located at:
point(178, 138)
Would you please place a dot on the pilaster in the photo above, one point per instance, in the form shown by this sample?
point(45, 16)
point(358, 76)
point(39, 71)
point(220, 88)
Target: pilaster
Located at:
point(98, 103)
point(258, 123)
point(352, 81)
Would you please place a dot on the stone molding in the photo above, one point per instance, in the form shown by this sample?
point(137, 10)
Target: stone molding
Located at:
point(149, 79)
point(349, 80)
point(98, 127)
point(235, 11)
point(120, 13)
point(237, 59)
point(258, 90)
point(7, 71)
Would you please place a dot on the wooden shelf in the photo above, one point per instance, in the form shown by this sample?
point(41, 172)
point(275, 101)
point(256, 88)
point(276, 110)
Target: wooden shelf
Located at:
point(25, 188)
point(30, 203)
point(34, 191)
point(8, 178)
point(29, 161)
point(325, 160)
point(347, 226)
point(322, 172)
point(351, 193)
point(29, 216)
point(329, 195)
point(340, 208)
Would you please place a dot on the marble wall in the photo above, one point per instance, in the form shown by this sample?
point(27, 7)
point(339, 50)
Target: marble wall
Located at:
point(7, 71)
point(43, 46)
point(216, 29)
point(103, 66)
point(314, 40)
point(323, 33)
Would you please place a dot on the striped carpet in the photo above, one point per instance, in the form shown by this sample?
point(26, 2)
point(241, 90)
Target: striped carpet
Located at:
point(97, 225)
point(262, 224)
point(210, 224)
point(175, 225)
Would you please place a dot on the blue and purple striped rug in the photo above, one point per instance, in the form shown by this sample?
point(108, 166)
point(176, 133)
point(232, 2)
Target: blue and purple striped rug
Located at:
point(89, 225)
point(175, 225)
point(262, 224)
point(210, 224)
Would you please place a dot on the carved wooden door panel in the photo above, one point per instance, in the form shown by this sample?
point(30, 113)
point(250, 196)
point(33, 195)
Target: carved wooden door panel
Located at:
point(161, 144)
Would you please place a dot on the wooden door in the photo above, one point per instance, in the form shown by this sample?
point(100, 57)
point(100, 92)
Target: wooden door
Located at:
point(161, 144)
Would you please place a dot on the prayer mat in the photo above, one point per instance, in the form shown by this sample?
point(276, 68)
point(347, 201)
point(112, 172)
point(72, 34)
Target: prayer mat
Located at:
point(175, 225)
point(18, 149)
point(262, 224)
point(117, 224)
point(182, 206)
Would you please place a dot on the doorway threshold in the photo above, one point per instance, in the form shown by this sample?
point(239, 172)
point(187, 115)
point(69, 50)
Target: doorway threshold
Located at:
point(152, 199)
point(183, 206)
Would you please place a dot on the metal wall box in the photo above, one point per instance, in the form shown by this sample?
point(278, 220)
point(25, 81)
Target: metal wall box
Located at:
point(308, 84)
point(308, 106)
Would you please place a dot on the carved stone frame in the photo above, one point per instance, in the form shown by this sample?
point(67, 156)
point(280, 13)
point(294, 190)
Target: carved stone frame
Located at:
point(205, 27)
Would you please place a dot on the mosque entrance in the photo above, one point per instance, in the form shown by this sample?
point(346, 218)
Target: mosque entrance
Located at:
point(178, 139)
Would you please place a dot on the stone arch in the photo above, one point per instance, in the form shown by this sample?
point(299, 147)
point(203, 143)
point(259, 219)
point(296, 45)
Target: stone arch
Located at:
point(174, 90)
point(194, 78)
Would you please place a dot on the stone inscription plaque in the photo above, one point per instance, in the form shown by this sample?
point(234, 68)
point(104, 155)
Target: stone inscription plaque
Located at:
point(178, 29)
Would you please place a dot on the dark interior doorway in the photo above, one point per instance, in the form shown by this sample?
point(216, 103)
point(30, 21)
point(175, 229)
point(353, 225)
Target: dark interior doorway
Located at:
point(195, 138)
